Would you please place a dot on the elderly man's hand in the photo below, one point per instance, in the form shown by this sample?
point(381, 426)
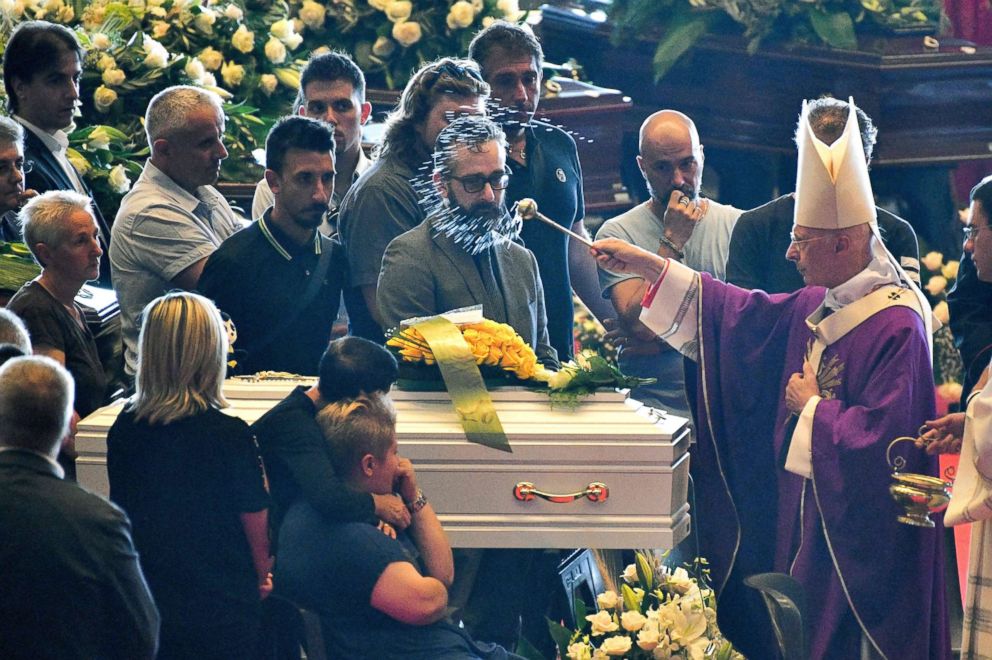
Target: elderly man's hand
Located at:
point(618, 256)
point(391, 509)
point(801, 388)
point(943, 435)
point(682, 215)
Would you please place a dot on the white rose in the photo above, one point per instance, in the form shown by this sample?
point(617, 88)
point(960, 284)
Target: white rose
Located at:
point(936, 285)
point(297, 25)
point(579, 651)
point(208, 80)
point(632, 621)
point(648, 638)
point(630, 574)
point(383, 47)
point(233, 12)
point(100, 41)
point(118, 180)
point(461, 15)
point(607, 600)
point(275, 51)
point(680, 581)
point(950, 269)
point(407, 33)
point(616, 645)
point(478, 5)
point(268, 82)
point(950, 392)
point(103, 98)
point(204, 21)
point(243, 39)
point(281, 29)
point(319, 50)
point(933, 261)
point(293, 41)
point(399, 10)
point(602, 623)
point(487, 21)
point(159, 29)
point(312, 14)
point(232, 74)
point(194, 68)
point(106, 62)
point(599, 654)
point(156, 56)
point(380, 4)
point(113, 77)
point(211, 59)
point(157, 12)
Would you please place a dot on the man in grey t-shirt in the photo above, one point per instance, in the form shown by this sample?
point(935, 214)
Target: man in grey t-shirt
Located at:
point(677, 223)
point(173, 218)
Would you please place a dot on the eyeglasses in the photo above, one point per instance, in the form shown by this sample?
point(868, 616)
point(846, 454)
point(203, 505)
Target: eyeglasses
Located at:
point(7, 167)
point(476, 182)
point(971, 231)
point(798, 242)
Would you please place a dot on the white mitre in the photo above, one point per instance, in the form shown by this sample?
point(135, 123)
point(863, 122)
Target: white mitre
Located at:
point(832, 186)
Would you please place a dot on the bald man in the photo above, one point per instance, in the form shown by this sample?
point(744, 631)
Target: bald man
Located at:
point(677, 223)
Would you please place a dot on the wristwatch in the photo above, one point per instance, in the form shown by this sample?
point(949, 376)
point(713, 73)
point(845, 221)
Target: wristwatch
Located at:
point(418, 503)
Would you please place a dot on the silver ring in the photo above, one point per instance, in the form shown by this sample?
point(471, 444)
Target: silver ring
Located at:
point(684, 201)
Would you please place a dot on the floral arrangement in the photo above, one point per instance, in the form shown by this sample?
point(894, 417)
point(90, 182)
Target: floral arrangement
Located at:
point(250, 52)
point(659, 613)
point(937, 276)
point(590, 334)
point(588, 372)
point(392, 38)
point(835, 23)
point(494, 345)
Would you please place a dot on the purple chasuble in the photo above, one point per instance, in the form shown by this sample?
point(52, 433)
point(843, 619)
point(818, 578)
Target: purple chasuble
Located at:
point(837, 533)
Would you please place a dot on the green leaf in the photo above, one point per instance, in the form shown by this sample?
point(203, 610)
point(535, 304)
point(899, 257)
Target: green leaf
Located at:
point(527, 650)
point(684, 31)
point(561, 635)
point(836, 29)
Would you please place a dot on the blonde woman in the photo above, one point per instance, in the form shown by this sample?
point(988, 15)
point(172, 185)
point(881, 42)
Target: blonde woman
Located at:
point(191, 481)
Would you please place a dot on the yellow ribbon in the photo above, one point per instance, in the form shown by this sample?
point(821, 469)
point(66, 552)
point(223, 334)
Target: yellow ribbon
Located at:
point(469, 395)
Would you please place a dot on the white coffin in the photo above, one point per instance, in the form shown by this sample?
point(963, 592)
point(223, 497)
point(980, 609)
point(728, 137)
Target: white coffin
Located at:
point(640, 455)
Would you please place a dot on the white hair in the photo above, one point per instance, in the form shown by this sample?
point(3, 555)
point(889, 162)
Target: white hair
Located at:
point(169, 110)
point(36, 394)
point(43, 218)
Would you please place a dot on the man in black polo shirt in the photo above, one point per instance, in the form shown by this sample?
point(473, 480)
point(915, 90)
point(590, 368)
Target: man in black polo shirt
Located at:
point(280, 280)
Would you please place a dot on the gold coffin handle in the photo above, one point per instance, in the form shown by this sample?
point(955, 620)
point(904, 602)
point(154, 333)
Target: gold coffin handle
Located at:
point(596, 491)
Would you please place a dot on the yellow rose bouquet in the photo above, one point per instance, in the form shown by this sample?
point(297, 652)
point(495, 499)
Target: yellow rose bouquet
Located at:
point(493, 345)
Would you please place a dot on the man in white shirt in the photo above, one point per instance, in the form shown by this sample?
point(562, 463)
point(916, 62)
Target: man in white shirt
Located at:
point(42, 66)
point(173, 218)
point(332, 90)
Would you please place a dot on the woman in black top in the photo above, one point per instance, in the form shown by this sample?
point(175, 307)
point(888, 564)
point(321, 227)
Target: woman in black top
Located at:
point(62, 235)
point(191, 481)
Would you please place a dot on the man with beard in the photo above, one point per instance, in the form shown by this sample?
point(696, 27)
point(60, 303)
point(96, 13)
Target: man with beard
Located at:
point(676, 223)
point(280, 279)
point(545, 167)
point(462, 255)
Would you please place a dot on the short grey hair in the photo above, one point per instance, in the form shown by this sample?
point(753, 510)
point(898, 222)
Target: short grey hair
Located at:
point(11, 132)
point(13, 331)
point(170, 109)
point(470, 132)
point(36, 394)
point(43, 218)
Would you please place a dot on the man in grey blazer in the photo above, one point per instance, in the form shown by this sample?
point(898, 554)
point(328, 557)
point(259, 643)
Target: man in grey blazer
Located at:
point(462, 254)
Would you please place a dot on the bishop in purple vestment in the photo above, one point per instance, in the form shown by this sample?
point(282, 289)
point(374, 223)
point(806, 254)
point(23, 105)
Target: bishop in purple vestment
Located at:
point(797, 397)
